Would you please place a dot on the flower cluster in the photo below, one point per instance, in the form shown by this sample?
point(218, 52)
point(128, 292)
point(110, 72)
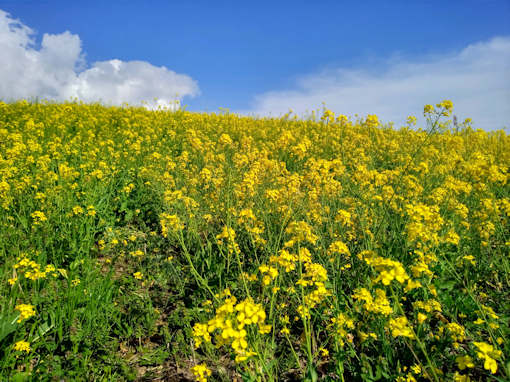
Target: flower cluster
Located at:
point(230, 326)
point(25, 311)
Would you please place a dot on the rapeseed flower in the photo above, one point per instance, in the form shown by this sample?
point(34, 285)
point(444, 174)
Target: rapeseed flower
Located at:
point(488, 354)
point(201, 372)
point(25, 311)
point(22, 346)
point(400, 327)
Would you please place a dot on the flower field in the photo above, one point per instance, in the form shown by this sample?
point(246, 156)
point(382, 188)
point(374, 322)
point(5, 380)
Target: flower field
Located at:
point(180, 246)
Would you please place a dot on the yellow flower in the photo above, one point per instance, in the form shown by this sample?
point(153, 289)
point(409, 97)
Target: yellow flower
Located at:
point(22, 346)
point(243, 355)
point(26, 311)
point(488, 354)
point(457, 332)
point(428, 109)
point(77, 210)
point(39, 217)
point(416, 369)
point(239, 342)
point(447, 105)
point(138, 275)
point(249, 313)
point(225, 140)
point(201, 372)
point(411, 120)
point(372, 120)
point(378, 305)
point(399, 327)
point(470, 259)
point(490, 364)
point(461, 378)
point(170, 223)
point(411, 284)
point(201, 334)
point(137, 253)
point(464, 362)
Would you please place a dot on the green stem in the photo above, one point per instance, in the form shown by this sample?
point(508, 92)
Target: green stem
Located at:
point(406, 168)
point(293, 352)
point(420, 344)
point(198, 278)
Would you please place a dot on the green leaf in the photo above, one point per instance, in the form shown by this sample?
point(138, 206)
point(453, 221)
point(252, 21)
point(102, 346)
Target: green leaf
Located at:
point(42, 330)
point(311, 374)
point(448, 285)
point(20, 377)
point(8, 325)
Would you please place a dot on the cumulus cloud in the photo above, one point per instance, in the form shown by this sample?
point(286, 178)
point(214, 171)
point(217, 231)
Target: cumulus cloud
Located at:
point(58, 71)
point(476, 79)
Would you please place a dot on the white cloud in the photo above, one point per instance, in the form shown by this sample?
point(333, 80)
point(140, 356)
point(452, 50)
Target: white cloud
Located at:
point(476, 79)
point(58, 71)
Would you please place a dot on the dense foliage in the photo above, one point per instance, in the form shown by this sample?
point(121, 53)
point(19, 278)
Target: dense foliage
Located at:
point(160, 245)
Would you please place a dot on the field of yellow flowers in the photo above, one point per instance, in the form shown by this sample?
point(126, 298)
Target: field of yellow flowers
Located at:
point(179, 246)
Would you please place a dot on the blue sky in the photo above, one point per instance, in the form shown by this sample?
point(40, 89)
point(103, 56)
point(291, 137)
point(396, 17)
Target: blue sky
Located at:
point(265, 57)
